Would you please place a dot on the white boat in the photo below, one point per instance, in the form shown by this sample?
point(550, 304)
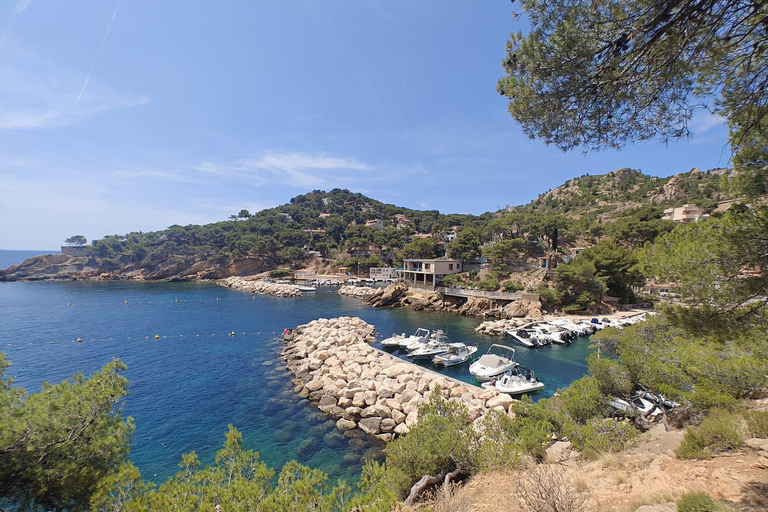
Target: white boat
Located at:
point(415, 340)
point(306, 288)
point(637, 405)
point(493, 363)
point(517, 381)
point(523, 337)
point(393, 341)
point(429, 350)
point(457, 354)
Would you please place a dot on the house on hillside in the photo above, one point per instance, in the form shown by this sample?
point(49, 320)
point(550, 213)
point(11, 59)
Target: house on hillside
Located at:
point(428, 273)
point(363, 252)
point(375, 223)
point(684, 214)
point(400, 221)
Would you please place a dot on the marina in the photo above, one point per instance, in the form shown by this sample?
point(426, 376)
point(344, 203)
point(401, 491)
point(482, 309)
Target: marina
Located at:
point(216, 361)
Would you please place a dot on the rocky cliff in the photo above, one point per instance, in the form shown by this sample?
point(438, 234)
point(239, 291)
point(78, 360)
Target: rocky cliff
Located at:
point(60, 267)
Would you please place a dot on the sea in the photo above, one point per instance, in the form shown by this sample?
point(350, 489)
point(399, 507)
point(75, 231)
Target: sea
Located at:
point(201, 357)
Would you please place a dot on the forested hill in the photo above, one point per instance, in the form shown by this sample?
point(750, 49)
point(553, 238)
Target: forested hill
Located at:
point(606, 196)
point(341, 225)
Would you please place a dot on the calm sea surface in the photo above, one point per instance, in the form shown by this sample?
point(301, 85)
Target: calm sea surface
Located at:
point(193, 381)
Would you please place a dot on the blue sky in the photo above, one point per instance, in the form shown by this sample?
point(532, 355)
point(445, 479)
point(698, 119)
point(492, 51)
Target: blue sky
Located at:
point(120, 116)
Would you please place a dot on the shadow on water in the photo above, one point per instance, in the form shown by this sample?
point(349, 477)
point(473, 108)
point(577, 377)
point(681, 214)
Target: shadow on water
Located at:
point(196, 378)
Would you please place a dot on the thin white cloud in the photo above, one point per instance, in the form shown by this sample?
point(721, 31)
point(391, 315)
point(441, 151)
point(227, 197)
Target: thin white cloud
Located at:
point(296, 169)
point(21, 6)
point(704, 121)
point(35, 93)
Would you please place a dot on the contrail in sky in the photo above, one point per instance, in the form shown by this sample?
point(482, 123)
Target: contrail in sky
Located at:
point(103, 41)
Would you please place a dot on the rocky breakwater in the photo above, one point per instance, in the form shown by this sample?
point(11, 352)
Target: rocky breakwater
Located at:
point(359, 292)
point(261, 287)
point(361, 387)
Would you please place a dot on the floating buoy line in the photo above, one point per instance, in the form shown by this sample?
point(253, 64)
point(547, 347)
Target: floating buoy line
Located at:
point(156, 337)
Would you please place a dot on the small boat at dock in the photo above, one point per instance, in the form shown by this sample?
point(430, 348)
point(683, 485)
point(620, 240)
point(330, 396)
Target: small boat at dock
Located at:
point(516, 381)
point(493, 363)
point(458, 353)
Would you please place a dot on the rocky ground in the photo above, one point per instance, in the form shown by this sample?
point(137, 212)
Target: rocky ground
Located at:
point(647, 479)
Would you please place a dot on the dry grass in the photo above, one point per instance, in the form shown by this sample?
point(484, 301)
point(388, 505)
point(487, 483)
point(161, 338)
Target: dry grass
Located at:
point(652, 499)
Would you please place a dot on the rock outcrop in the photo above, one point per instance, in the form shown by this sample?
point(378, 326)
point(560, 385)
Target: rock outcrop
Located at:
point(388, 296)
point(522, 309)
point(361, 387)
point(261, 287)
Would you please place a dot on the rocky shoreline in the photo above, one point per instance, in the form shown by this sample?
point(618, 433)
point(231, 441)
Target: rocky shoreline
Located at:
point(334, 365)
point(261, 287)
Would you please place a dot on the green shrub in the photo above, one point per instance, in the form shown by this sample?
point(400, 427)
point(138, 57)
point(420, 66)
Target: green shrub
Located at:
point(511, 287)
point(612, 378)
point(692, 446)
point(582, 400)
point(757, 423)
point(549, 298)
point(601, 436)
point(489, 284)
point(697, 502)
point(442, 440)
point(280, 272)
point(722, 430)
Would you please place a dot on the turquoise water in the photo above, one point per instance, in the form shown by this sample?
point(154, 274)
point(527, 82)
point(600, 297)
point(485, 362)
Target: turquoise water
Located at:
point(193, 381)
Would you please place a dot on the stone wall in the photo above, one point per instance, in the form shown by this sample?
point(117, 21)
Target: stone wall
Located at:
point(261, 287)
point(361, 387)
point(359, 292)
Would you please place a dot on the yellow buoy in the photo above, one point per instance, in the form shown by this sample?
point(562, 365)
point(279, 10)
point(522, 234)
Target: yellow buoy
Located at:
point(126, 302)
point(69, 303)
point(157, 336)
point(79, 340)
point(232, 333)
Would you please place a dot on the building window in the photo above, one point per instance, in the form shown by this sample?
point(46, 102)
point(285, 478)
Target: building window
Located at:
point(427, 266)
point(450, 266)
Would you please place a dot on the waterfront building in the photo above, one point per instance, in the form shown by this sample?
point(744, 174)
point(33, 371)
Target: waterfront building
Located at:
point(428, 273)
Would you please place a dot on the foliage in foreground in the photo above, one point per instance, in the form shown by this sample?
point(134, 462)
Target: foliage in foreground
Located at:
point(237, 481)
point(699, 502)
point(703, 371)
point(56, 445)
point(721, 431)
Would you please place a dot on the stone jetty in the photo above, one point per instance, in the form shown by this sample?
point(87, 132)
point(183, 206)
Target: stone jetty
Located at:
point(361, 387)
point(359, 292)
point(261, 287)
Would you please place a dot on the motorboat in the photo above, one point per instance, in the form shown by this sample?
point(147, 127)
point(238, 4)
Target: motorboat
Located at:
point(393, 341)
point(307, 288)
point(637, 405)
point(458, 353)
point(493, 363)
point(437, 343)
point(516, 381)
point(523, 337)
point(415, 340)
point(429, 350)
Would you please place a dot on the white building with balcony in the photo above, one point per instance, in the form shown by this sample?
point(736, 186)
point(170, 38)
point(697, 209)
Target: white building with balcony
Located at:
point(428, 273)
